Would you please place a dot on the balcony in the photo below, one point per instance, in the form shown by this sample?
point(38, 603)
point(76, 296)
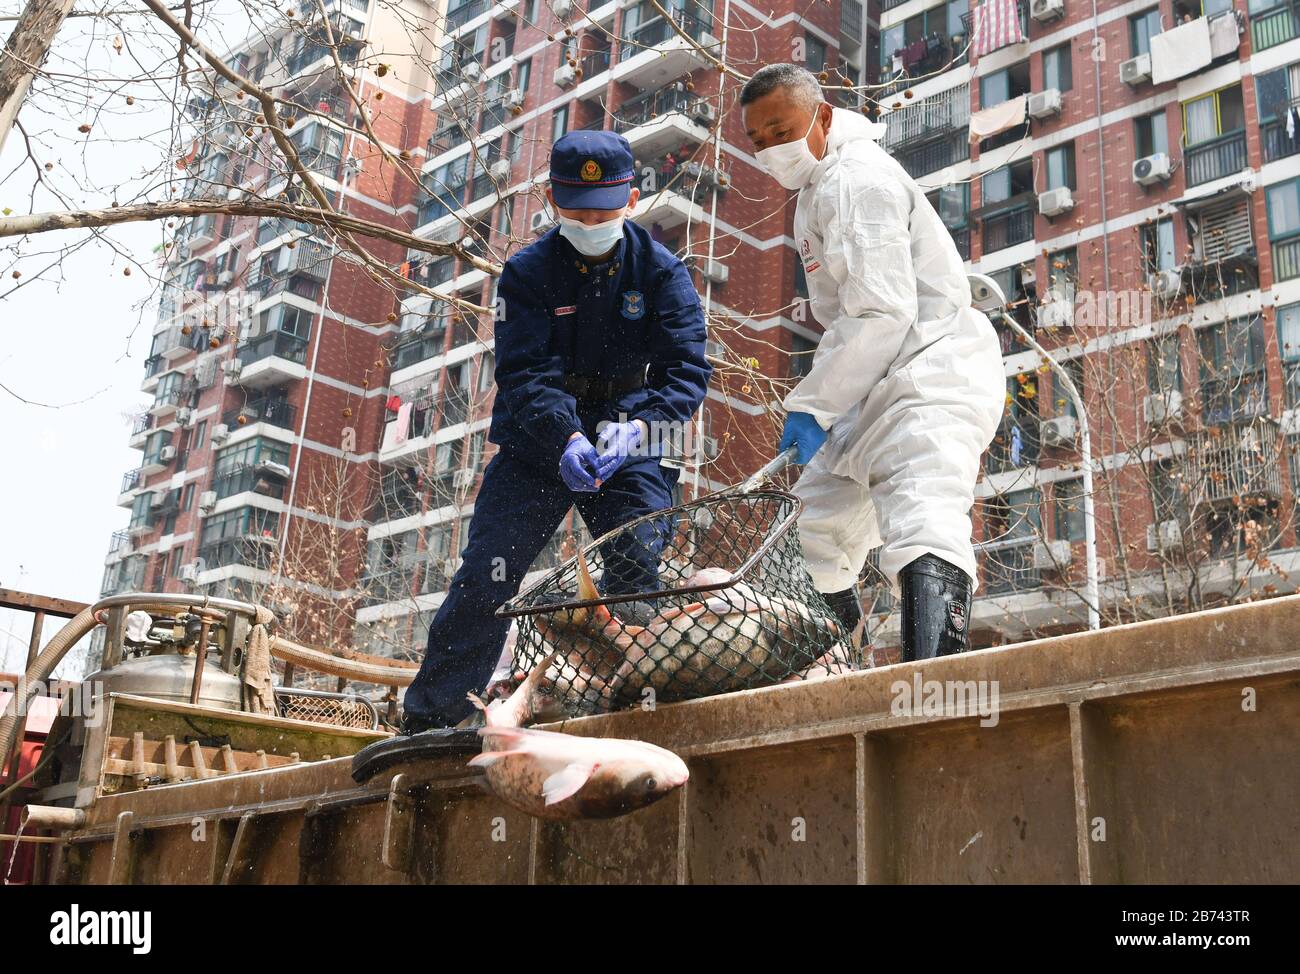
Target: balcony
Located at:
point(654, 53)
point(130, 483)
point(1240, 463)
point(970, 27)
point(118, 545)
point(274, 358)
point(923, 158)
point(1215, 158)
point(462, 14)
point(961, 238)
point(673, 201)
point(1008, 227)
point(938, 54)
point(663, 120)
point(851, 22)
point(1211, 279)
point(394, 585)
point(272, 411)
point(1009, 568)
point(418, 346)
point(252, 551)
point(167, 401)
point(172, 343)
point(920, 121)
point(249, 477)
point(299, 285)
point(1273, 27)
point(126, 575)
point(1277, 145)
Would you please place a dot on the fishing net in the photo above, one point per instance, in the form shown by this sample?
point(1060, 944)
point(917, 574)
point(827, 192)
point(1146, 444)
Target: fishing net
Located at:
point(706, 598)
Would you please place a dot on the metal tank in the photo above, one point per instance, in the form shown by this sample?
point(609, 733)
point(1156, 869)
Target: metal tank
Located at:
point(169, 676)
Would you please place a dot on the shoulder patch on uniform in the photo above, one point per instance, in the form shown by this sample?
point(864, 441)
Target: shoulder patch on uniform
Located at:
point(568, 309)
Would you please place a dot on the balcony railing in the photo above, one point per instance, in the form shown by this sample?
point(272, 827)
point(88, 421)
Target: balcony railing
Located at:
point(928, 118)
point(1277, 144)
point(1007, 229)
point(1273, 27)
point(657, 30)
point(1236, 463)
point(1211, 280)
point(1009, 569)
point(939, 53)
point(1014, 446)
point(254, 552)
point(595, 62)
point(153, 365)
point(665, 101)
point(130, 481)
point(461, 15)
point(851, 17)
point(418, 348)
point(247, 477)
point(961, 237)
point(277, 412)
point(928, 157)
point(1215, 158)
point(276, 343)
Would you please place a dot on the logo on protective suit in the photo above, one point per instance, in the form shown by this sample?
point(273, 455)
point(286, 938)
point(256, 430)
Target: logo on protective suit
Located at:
point(591, 171)
point(633, 304)
point(957, 616)
point(810, 263)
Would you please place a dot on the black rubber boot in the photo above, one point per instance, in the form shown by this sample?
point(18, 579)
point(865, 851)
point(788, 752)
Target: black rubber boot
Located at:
point(848, 609)
point(936, 609)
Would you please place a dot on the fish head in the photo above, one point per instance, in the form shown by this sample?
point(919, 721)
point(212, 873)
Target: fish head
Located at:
point(642, 777)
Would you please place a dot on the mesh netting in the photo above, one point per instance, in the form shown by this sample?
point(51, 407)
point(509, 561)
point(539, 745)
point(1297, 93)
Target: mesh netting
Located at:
point(706, 598)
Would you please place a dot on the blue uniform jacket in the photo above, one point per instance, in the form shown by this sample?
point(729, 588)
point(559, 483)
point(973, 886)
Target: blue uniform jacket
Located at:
point(558, 315)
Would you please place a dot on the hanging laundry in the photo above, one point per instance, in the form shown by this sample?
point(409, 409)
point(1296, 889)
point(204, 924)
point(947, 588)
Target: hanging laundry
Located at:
point(996, 25)
point(913, 54)
point(394, 403)
point(1291, 122)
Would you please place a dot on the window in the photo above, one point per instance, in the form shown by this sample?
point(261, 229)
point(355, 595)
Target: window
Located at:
point(1283, 210)
point(951, 202)
point(1288, 343)
point(801, 355)
point(187, 497)
point(200, 434)
point(1168, 492)
point(1060, 166)
point(286, 318)
point(1004, 85)
point(523, 74)
point(956, 10)
point(1164, 365)
point(559, 123)
point(1068, 496)
point(1158, 245)
point(1007, 182)
point(243, 468)
point(1152, 133)
point(1215, 114)
point(1057, 71)
point(815, 52)
point(1141, 28)
point(1064, 404)
point(1011, 522)
point(1233, 382)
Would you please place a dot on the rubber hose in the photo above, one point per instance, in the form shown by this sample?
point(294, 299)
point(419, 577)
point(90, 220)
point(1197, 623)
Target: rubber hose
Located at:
point(39, 672)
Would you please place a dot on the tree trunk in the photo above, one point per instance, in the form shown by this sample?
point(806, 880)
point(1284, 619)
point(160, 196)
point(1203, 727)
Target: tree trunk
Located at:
point(24, 52)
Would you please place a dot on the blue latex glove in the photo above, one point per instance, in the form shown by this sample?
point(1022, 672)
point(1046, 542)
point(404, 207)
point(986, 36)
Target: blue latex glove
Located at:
point(617, 442)
point(804, 432)
point(580, 465)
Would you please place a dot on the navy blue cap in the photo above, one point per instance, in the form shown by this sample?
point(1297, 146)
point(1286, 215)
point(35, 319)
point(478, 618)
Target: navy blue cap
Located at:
point(591, 171)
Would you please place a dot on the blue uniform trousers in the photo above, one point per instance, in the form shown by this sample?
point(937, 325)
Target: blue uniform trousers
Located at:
point(518, 509)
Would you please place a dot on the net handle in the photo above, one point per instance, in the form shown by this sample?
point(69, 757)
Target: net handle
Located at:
point(768, 470)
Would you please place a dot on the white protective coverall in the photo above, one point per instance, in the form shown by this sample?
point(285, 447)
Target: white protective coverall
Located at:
point(907, 378)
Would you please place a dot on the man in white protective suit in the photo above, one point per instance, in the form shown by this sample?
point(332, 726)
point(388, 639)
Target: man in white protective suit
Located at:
point(906, 387)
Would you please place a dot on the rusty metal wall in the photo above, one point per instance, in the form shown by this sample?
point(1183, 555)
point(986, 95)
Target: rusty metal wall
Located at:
point(1158, 752)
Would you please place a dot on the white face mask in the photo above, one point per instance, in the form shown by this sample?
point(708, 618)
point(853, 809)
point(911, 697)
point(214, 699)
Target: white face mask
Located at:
point(591, 240)
point(792, 163)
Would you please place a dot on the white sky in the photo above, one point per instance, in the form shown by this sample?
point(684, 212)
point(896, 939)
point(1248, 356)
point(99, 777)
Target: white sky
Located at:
point(76, 341)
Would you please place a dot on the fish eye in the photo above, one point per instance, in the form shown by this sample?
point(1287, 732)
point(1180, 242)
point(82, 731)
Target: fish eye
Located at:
point(650, 784)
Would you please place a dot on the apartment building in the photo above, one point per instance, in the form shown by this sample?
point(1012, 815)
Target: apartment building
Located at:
point(512, 77)
point(265, 378)
point(1130, 174)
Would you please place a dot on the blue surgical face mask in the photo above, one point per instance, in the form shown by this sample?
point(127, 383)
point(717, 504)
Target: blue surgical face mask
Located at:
point(592, 240)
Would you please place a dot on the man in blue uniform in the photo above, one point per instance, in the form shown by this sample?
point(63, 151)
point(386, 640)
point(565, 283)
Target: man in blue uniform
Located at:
point(599, 350)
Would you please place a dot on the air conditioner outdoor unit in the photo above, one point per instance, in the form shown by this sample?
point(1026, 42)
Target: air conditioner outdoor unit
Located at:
point(225, 278)
point(539, 221)
point(1152, 169)
point(1051, 555)
point(1044, 10)
point(1044, 104)
point(1165, 284)
point(1158, 408)
point(562, 8)
point(1055, 201)
point(273, 469)
point(157, 498)
point(500, 169)
point(462, 478)
point(167, 454)
point(1135, 70)
point(232, 367)
point(190, 572)
point(715, 271)
point(710, 446)
point(208, 500)
point(220, 433)
point(1059, 432)
point(514, 98)
point(1165, 535)
point(704, 112)
point(565, 75)
point(184, 415)
point(472, 70)
point(1028, 277)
